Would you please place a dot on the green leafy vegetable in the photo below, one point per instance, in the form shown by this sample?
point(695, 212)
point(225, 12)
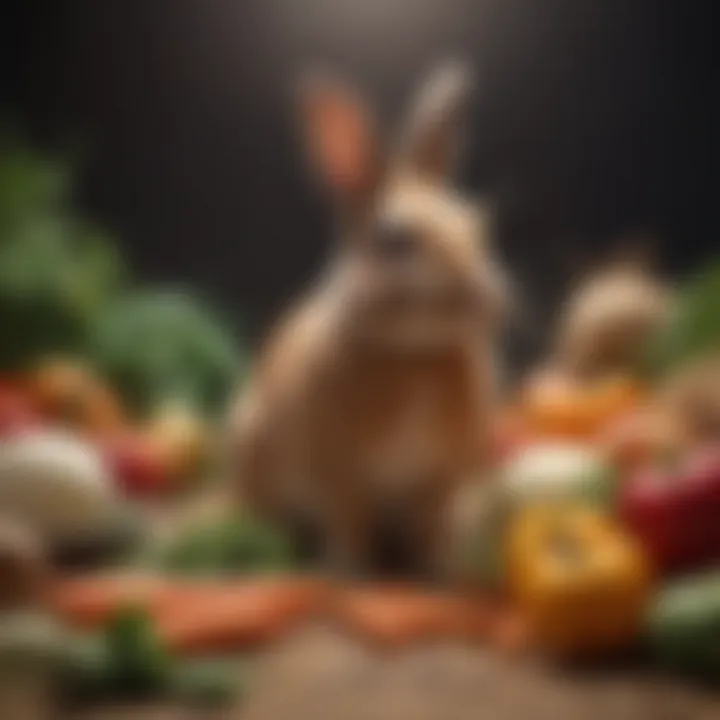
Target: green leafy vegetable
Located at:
point(239, 544)
point(138, 663)
point(29, 184)
point(127, 660)
point(166, 345)
point(56, 270)
point(694, 329)
point(683, 626)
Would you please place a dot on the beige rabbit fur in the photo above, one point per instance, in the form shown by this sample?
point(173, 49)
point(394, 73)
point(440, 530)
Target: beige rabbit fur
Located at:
point(373, 397)
point(609, 318)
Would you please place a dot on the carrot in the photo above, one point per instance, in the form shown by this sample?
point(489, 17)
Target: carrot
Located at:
point(195, 615)
point(239, 615)
point(396, 616)
point(206, 617)
point(510, 633)
point(89, 602)
point(387, 616)
point(471, 618)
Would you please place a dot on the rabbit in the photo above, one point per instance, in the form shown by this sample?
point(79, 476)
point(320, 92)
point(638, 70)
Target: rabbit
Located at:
point(607, 321)
point(372, 399)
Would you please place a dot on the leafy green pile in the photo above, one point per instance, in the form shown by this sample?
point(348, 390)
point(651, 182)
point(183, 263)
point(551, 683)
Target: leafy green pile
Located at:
point(127, 661)
point(63, 290)
point(694, 329)
point(56, 270)
point(235, 545)
point(165, 345)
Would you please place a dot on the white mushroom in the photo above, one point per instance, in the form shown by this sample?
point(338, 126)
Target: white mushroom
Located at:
point(58, 485)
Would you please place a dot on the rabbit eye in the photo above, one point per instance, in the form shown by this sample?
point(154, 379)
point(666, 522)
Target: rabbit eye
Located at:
point(395, 241)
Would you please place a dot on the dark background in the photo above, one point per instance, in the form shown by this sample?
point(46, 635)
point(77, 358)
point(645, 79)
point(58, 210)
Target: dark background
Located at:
point(594, 118)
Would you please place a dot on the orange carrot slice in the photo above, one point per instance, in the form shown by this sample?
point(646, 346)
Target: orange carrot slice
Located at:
point(88, 602)
point(239, 616)
point(395, 616)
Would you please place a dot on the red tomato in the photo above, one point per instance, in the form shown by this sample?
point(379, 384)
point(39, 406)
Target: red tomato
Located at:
point(137, 465)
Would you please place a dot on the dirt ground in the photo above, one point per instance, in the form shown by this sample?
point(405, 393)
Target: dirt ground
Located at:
point(320, 675)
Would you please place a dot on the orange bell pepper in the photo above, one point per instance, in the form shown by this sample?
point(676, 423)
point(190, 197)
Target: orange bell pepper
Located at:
point(581, 582)
point(560, 407)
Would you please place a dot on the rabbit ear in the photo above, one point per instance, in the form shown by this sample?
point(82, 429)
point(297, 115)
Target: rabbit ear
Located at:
point(430, 138)
point(340, 135)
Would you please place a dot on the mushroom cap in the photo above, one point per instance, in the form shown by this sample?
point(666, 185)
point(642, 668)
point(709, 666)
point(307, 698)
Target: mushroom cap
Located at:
point(58, 485)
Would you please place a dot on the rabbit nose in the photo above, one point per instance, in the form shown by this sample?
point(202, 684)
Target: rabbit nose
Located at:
point(396, 241)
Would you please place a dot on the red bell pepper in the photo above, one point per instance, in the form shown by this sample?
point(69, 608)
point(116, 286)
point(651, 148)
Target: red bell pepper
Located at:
point(675, 511)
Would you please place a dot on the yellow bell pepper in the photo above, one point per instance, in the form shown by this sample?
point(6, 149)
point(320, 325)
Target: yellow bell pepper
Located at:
point(580, 581)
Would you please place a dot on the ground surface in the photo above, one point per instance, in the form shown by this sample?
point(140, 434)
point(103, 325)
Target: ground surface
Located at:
point(319, 675)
